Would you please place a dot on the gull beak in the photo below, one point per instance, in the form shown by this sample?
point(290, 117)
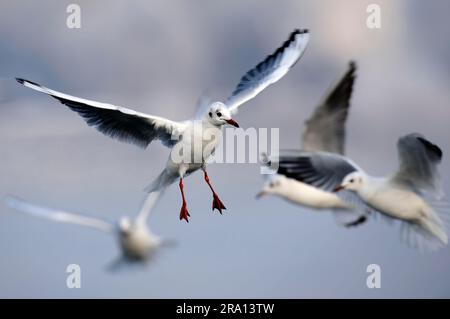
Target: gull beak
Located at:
point(232, 122)
point(261, 194)
point(338, 188)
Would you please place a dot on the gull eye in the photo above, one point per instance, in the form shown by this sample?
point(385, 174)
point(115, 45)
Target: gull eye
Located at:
point(210, 114)
point(219, 114)
point(352, 180)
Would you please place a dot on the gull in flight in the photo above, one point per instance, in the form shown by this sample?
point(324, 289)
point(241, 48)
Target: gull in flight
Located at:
point(141, 129)
point(136, 241)
point(324, 131)
point(411, 195)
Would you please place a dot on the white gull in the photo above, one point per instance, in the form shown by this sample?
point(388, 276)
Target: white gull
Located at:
point(141, 129)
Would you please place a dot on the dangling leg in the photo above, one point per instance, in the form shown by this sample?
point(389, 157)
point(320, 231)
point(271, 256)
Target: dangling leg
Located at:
point(217, 203)
point(184, 214)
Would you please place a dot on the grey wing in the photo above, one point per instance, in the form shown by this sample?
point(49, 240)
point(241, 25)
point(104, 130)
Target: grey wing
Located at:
point(325, 129)
point(115, 121)
point(319, 169)
point(418, 164)
point(57, 215)
point(269, 71)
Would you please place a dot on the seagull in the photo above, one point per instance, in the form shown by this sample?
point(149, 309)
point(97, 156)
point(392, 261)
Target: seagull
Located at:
point(184, 137)
point(411, 195)
point(136, 241)
point(324, 131)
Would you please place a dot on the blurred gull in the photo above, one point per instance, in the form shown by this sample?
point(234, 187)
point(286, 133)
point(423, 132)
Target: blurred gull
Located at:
point(204, 130)
point(411, 195)
point(136, 241)
point(324, 132)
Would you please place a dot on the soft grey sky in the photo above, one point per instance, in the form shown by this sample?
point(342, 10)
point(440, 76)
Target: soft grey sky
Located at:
point(157, 57)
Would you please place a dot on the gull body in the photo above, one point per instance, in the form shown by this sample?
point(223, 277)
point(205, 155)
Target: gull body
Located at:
point(141, 129)
point(324, 131)
point(302, 194)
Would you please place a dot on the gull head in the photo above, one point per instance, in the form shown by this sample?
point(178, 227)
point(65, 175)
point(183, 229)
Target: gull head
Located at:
point(125, 225)
point(352, 182)
point(218, 115)
point(275, 185)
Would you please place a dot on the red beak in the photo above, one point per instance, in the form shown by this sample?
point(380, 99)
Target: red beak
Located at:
point(338, 188)
point(232, 122)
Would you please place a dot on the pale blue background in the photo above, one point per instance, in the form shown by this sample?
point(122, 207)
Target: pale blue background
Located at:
point(157, 57)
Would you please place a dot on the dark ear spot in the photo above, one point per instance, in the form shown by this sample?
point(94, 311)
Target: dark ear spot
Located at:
point(210, 114)
point(359, 180)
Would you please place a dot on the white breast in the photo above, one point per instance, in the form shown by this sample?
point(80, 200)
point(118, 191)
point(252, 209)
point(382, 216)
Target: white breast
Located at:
point(198, 142)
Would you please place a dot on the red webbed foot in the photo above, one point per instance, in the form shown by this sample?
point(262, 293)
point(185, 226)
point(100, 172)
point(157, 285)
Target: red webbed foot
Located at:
point(184, 214)
point(217, 204)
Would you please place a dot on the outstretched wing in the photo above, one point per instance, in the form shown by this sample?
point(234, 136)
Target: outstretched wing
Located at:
point(115, 121)
point(325, 129)
point(418, 164)
point(319, 169)
point(58, 215)
point(269, 71)
point(148, 205)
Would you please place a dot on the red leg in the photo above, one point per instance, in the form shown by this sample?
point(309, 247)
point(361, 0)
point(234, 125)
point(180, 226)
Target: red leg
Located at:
point(217, 203)
point(184, 214)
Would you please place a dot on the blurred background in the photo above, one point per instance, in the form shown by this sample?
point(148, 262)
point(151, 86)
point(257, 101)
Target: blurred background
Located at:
point(157, 57)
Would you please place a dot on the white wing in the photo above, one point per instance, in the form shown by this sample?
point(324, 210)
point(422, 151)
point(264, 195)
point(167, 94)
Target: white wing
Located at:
point(117, 122)
point(418, 164)
point(148, 205)
point(202, 105)
point(58, 215)
point(325, 129)
point(319, 169)
point(269, 71)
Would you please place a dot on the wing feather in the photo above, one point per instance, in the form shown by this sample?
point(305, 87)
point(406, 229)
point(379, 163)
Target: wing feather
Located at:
point(320, 169)
point(58, 215)
point(115, 121)
point(418, 164)
point(325, 129)
point(269, 71)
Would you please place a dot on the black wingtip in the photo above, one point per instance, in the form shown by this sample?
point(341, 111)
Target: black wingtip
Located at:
point(22, 81)
point(300, 31)
point(431, 147)
point(352, 65)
